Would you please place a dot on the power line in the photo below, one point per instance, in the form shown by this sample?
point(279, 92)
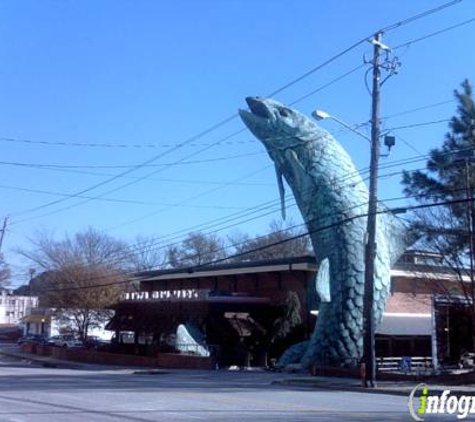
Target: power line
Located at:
point(226, 220)
point(413, 110)
point(208, 160)
point(408, 144)
point(348, 176)
point(201, 144)
point(267, 213)
point(225, 121)
point(421, 15)
point(433, 34)
point(182, 202)
point(362, 171)
point(190, 140)
point(110, 145)
point(117, 200)
point(127, 166)
point(161, 179)
point(138, 166)
point(410, 126)
point(252, 211)
point(140, 178)
point(277, 202)
point(339, 78)
point(264, 247)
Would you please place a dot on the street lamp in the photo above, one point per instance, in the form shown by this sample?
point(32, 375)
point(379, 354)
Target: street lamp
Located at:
point(321, 115)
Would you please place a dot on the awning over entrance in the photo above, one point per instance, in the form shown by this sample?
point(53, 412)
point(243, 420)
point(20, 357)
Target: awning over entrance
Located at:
point(37, 319)
point(405, 324)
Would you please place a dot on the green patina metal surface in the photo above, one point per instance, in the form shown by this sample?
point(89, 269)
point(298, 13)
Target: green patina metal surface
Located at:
point(332, 198)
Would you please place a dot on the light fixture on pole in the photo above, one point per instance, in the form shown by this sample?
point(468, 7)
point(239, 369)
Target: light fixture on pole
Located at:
point(321, 115)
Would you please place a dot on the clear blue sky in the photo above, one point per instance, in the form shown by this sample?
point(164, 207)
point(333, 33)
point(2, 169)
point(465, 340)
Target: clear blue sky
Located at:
point(157, 73)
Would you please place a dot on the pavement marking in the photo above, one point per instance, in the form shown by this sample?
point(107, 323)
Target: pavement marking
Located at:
point(267, 403)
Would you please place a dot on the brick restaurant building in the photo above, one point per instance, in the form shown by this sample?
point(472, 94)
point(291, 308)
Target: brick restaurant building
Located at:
point(240, 305)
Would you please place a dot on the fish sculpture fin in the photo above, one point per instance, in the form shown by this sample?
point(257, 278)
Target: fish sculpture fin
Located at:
point(280, 183)
point(399, 236)
point(322, 281)
point(296, 166)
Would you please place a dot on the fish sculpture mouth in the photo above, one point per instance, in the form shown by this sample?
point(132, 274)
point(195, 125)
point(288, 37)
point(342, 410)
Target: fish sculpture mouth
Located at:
point(258, 108)
point(259, 116)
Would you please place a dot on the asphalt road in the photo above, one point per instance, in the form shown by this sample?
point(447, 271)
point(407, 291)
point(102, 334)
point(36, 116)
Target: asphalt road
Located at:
point(36, 394)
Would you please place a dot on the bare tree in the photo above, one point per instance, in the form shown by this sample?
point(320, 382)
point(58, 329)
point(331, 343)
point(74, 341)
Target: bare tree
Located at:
point(145, 255)
point(80, 276)
point(281, 241)
point(197, 249)
point(5, 272)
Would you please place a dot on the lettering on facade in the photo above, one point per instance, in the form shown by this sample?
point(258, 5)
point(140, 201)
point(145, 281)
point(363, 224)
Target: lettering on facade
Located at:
point(185, 294)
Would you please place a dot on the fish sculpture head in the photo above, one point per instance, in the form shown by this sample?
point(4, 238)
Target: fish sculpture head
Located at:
point(286, 134)
point(276, 125)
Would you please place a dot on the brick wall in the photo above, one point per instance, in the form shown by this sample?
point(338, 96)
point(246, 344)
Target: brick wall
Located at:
point(162, 360)
point(409, 303)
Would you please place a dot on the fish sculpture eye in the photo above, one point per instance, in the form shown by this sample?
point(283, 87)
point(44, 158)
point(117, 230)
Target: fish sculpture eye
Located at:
point(284, 112)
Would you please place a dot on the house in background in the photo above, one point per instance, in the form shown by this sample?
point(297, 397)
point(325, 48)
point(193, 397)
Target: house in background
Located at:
point(14, 307)
point(48, 322)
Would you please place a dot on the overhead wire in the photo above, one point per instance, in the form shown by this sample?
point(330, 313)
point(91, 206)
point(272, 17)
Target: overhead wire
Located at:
point(181, 203)
point(189, 140)
point(398, 162)
point(276, 203)
point(433, 34)
point(193, 268)
point(116, 200)
point(236, 142)
point(418, 16)
point(135, 180)
point(232, 117)
point(209, 160)
point(295, 81)
point(273, 211)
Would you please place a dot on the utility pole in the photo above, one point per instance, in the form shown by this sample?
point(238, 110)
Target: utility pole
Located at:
point(2, 235)
point(470, 221)
point(370, 247)
point(467, 157)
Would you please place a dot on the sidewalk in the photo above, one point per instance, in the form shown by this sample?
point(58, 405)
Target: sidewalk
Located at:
point(13, 351)
point(400, 388)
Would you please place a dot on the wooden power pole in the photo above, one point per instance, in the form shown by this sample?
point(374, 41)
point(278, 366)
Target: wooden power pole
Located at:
point(370, 247)
point(2, 234)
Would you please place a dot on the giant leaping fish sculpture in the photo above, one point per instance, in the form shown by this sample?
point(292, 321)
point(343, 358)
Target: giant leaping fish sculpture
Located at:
point(333, 200)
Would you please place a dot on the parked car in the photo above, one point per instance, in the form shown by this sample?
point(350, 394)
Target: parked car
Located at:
point(94, 342)
point(36, 338)
point(65, 341)
point(10, 333)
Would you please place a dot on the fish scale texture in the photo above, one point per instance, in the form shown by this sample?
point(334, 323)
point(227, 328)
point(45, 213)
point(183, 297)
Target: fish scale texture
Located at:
point(333, 199)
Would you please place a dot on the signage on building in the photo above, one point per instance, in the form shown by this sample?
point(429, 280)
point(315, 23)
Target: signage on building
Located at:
point(168, 295)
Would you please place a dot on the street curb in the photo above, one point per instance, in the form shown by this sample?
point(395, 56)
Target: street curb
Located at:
point(340, 387)
point(43, 362)
point(357, 389)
